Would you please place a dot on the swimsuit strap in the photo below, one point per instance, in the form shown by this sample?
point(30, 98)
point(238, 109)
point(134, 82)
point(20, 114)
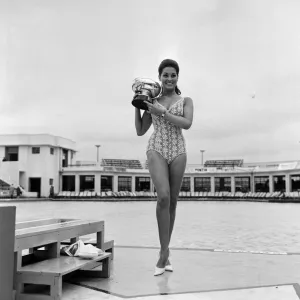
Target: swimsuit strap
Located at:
point(178, 101)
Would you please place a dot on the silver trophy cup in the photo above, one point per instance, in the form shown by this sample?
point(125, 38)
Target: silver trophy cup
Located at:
point(145, 89)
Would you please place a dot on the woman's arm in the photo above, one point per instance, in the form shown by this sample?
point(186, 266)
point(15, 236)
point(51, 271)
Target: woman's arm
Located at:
point(142, 124)
point(184, 122)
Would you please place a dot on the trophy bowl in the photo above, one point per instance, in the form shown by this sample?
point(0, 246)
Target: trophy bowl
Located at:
point(145, 89)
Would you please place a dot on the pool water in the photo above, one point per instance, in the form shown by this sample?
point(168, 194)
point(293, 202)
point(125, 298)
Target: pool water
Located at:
point(247, 226)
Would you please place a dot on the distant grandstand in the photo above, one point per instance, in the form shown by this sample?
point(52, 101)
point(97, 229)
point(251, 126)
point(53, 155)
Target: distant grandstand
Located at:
point(219, 163)
point(124, 163)
point(224, 163)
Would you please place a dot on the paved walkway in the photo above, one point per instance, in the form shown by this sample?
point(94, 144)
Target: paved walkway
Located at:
point(198, 274)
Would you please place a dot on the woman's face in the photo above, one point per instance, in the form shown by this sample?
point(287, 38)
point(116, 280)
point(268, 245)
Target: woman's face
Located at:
point(169, 78)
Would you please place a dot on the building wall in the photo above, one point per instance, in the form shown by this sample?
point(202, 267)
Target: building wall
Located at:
point(36, 139)
point(98, 172)
point(42, 165)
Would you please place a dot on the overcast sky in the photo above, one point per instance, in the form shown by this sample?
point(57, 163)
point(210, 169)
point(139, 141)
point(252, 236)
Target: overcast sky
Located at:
point(66, 68)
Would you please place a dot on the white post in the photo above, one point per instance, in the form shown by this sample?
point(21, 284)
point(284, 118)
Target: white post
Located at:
point(77, 183)
point(271, 184)
point(232, 184)
point(115, 183)
point(133, 183)
point(287, 183)
point(212, 184)
point(192, 184)
point(97, 183)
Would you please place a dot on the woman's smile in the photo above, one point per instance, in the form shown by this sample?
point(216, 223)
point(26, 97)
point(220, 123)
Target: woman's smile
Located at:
point(169, 83)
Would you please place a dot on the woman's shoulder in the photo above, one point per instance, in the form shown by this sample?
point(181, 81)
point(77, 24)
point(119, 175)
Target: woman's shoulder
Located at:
point(187, 100)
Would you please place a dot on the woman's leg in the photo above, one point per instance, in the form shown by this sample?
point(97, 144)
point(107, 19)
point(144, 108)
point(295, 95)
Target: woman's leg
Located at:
point(159, 172)
point(176, 173)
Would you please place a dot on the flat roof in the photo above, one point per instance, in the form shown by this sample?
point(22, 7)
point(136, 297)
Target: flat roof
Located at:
point(36, 139)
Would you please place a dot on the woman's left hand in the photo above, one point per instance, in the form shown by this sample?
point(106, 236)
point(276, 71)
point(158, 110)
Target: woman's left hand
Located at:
point(154, 109)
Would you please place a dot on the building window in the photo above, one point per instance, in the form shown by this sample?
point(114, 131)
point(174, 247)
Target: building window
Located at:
point(186, 184)
point(202, 184)
point(222, 184)
point(87, 183)
point(242, 184)
point(52, 151)
point(65, 162)
point(279, 183)
point(106, 183)
point(51, 181)
point(142, 184)
point(261, 184)
point(295, 183)
point(35, 150)
point(68, 183)
point(11, 154)
point(124, 183)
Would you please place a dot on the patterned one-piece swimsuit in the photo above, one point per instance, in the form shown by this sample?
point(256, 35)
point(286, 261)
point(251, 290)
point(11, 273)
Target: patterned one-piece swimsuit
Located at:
point(167, 138)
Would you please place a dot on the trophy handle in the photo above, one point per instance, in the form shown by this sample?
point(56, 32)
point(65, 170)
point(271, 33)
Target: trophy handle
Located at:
point(138, 101)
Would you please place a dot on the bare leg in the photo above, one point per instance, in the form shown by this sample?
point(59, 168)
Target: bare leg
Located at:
point(176, 173)
point(159, 172)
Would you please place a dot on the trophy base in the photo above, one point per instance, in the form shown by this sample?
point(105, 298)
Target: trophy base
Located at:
point(138, 102)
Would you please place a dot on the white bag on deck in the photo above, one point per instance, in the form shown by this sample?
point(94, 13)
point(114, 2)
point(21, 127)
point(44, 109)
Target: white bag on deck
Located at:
point(82, 250)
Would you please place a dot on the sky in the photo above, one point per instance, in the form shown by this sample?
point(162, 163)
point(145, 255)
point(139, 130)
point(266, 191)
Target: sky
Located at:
point(67, 66)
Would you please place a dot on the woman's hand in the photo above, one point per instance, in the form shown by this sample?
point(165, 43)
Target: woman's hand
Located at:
point(155, 109)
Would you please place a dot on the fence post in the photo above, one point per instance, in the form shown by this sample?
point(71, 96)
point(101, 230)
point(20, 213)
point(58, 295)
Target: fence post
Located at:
point(7, 242)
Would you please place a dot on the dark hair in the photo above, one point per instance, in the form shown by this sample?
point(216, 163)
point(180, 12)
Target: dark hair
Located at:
point(170, 63)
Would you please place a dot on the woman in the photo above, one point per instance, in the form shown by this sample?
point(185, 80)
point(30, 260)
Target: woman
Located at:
point(166, 151)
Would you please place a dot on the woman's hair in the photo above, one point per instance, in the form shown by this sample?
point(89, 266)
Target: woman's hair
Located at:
point(170, 63)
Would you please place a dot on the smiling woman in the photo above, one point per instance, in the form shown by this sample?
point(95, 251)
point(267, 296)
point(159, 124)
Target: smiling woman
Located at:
point(166, 151)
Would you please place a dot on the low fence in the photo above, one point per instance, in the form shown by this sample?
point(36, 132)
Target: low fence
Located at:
point(5, 194)
point(280, 196)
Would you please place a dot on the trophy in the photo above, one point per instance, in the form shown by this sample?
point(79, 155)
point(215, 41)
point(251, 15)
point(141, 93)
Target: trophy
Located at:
point(145, 89)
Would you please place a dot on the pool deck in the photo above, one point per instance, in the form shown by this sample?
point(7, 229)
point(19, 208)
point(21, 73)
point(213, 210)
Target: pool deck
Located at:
point(145, 199)
point(205, 274)
point(198, 274)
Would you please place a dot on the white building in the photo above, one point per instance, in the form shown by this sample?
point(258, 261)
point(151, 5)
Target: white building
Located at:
point(37, 161)
point(99, 178)
point(34, 161)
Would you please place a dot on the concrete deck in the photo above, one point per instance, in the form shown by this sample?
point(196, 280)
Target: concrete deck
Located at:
point(198, 274)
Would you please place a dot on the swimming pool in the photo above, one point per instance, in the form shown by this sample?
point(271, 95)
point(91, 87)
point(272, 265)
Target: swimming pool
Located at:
point(247, 226)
